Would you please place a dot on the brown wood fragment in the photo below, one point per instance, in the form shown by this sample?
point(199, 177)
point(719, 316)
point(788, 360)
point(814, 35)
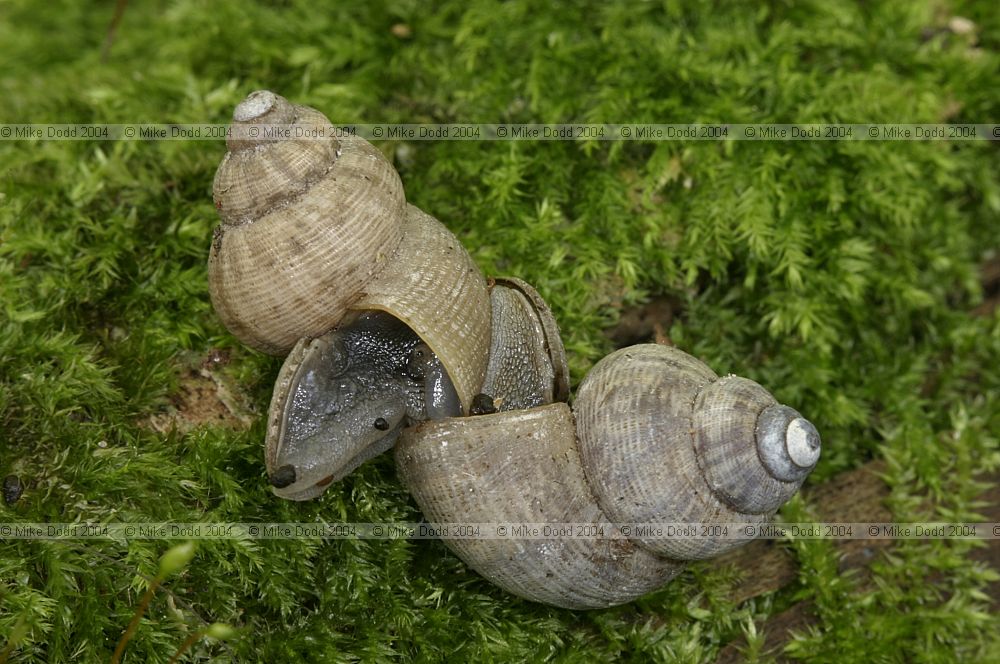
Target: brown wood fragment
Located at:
point(989, 277)
point(109, 39)
point(990, 554)
point(779, 629)
point(853, 496)
point(647, 323)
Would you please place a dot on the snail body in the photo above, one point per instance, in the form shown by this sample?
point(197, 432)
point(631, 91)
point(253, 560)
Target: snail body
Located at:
point(395, 339)
point(346, 395)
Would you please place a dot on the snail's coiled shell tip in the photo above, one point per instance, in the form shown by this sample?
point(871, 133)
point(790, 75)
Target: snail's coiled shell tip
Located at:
point(787, 443)
point(256, 104)
point(637, 425)
point(306, 223)
point(260, 108)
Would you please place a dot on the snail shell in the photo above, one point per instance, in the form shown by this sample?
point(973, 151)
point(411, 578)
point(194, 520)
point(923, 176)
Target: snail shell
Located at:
point(433, 286)
point(306, 224)
point(316, 232)
point(527, 367)
point(313, 230)
point(657, 438)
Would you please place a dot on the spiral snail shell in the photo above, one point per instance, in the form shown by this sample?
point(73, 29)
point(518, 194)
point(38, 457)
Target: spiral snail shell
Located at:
point(315, 242)
point(395, 339)
point(658, 438)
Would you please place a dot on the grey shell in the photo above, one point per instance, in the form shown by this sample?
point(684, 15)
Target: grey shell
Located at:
point(523, 467)
point(658, 438)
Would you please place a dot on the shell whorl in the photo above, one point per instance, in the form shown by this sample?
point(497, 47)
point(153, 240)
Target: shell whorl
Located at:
point(306, 224)
point(433, 285)
point(741, 438)
point(787, 443)
point(664, 439)
point(522, 466)
point(273, 157)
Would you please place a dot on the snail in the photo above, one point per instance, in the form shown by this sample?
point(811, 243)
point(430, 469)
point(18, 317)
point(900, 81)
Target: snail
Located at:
point(654, 436)
point(319, 256)
point(394, 339)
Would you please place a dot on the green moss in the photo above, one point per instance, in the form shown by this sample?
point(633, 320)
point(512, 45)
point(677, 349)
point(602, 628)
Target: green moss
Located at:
point(840, 275)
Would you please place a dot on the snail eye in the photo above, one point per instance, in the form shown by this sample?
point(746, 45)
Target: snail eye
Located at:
point(381, 424)
point(420, 357)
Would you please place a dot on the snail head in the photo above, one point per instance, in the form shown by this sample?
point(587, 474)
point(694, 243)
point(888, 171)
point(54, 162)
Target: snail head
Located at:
point(347, 397)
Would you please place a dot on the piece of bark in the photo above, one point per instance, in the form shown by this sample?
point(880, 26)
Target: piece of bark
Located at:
point(989, 277)
point(206, 396)
point(856, 496)
point(647, 323)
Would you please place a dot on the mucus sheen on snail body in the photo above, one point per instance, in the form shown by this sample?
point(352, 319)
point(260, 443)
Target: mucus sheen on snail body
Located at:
point(394, 339)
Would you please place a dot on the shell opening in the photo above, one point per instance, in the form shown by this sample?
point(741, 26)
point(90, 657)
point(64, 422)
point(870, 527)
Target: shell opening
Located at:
point(788, 444)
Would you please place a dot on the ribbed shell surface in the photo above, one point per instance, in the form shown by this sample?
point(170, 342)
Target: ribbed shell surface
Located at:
point(306, 224)
point(252, 181)
point(634, 413)
point(725, 419)
point(433, 286)
point(523, 467)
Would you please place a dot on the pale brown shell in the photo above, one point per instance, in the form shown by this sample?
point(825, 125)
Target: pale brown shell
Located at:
point(523, 467)
point(314, 230)
point(306, 224)
point(433, 285)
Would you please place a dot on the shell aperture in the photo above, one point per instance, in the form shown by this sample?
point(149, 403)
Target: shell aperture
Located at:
point(344, 397)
